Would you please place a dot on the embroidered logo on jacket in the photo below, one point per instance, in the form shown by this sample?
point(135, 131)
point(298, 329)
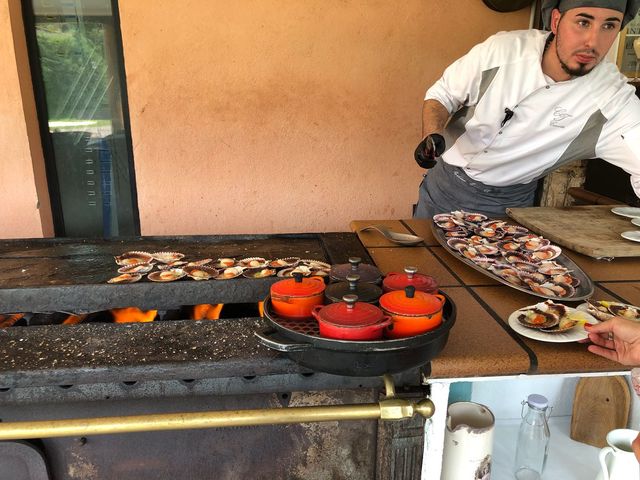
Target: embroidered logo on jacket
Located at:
point(559, 114)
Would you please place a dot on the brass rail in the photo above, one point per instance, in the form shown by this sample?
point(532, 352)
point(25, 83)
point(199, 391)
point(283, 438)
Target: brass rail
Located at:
point(390, 408)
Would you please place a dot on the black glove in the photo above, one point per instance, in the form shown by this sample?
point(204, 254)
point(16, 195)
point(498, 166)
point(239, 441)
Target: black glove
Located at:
point(429, 149)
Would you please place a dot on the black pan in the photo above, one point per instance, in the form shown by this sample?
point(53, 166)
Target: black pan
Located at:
point(507, 5)
point(299, 339)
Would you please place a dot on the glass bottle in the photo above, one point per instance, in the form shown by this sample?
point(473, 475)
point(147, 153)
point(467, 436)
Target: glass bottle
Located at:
point(533, 439)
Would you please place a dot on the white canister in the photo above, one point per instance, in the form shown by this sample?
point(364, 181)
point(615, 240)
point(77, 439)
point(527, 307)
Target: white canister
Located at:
point(617, 460)
point(468, 442)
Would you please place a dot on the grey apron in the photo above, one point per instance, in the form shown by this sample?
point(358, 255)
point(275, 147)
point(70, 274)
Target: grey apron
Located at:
point(446, 188)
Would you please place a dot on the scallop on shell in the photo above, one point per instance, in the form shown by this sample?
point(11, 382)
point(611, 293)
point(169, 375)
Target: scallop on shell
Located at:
point(229, 273)
point(133, 258)
point(136, 268)
point(253, 262)
point(626, 311)
point(200, 272)
point(313, 264)
point(125, 278)
point(548, 252)
point(167, 257)
point(284, 262)
point(224, 262)
point(259, 272)
point(537, 318)
point(169, 275)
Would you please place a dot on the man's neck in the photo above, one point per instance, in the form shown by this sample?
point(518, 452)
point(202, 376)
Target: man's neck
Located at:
point(551, 66)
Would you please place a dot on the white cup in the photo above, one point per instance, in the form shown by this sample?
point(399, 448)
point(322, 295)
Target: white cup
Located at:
point(617, 460)
point(468, 442)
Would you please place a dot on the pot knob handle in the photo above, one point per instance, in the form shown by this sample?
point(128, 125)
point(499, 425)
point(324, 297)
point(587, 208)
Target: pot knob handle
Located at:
point(410, 271)
point(352, 278)
point(297, 276)
point(355, 262)
point(350, 300)
point(410, 291)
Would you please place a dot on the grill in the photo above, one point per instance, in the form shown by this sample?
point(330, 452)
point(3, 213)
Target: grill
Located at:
point(98, 368)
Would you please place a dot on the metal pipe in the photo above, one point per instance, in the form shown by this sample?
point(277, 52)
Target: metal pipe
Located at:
point(391, 409)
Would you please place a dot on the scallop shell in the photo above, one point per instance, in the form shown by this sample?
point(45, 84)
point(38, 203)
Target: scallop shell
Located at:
point(199, 263)
point(487, 249)
point(315, 264)
point(514, 257)
point(600, 310)
point(502, 269)
point(448, 225)
point(532, 277)
point(626, 311)
point(458, 243)
point(169, 275)
point(229, 273)
point(288, 272)
point(176, 264)
point(125, 278)
point(259, 272)
point(253, 262)
point(514, 229)
point(542, 289)
point(537, 318)
point(552, 268)
point(284, 262)
point(563, 289)
point(566, 323)
point(529, 267)
point(133, 258)
point(509, 246)
point(534, 244)
point(459, 233)
point(566, 278)
point(485, 263)
point(136, 268)
point(524, 237)
point(471, 253)
point(475, 217)
point(224, 263)
point(493, 224)
point(167, 257)
point(547, 253)
point(200, 272)
point(477, 240)
point(441, 217)
point(489, 233)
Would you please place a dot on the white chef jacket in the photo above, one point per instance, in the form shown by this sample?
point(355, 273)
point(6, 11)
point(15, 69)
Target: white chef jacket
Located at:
point(593, 116)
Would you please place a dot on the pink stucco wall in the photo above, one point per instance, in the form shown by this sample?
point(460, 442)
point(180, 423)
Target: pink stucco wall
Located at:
point(256, 116)
point(285, 116)
point(24, 201)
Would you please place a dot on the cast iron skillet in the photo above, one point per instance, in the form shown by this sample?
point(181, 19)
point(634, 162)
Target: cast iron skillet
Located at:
point(300, 341)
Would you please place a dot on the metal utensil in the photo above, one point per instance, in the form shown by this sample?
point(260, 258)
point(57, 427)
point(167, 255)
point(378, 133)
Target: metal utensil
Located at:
point(395, 237)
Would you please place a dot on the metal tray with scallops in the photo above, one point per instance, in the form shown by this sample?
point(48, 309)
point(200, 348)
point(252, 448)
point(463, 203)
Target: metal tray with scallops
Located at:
point(508, 273)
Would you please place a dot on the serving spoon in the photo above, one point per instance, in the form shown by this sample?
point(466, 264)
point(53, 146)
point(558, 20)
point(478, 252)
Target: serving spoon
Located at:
point(395, 237)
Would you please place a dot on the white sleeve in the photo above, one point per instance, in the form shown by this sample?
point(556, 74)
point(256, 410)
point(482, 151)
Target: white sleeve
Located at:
point(620, 142)
point(460, 82)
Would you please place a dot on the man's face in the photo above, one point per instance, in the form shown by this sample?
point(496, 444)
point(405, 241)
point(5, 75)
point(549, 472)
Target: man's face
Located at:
point(584, 36)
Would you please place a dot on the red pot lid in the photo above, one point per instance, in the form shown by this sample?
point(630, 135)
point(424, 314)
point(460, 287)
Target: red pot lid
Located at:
point(410, 302)
point(298, 286)
point(351, 313)
point(397, 281)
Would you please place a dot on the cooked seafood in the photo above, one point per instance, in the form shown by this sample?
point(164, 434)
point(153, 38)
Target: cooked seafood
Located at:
point(259, 272)
point(229, 273)
point(133, 258)
point(284, 262)
point(200, 272)
point(136, 268)
point(166, 275)
point(252, 262)
point(167, 257)
point(125, 278)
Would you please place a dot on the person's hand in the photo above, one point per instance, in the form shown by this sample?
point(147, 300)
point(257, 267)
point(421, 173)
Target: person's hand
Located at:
point(617, 339)
point(635, 446)
point(429, 149)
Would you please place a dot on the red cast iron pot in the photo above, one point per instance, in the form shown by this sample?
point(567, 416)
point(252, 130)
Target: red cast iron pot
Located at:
point(413, 312)
point(296, 297)
point(398, 281)
point(350, 320)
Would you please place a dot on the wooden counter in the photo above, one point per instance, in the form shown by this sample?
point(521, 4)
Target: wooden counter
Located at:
point(482, 343)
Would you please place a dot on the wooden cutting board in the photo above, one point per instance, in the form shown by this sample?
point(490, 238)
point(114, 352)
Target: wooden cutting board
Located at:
point(600, 405)
point(591, 230)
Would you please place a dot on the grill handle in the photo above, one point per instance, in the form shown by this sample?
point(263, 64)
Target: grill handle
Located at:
point(274, 340)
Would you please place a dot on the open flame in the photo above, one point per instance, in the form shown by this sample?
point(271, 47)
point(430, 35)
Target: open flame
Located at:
point(132, 315)
point(9, 319)
point(206, 311)
point(74, 319)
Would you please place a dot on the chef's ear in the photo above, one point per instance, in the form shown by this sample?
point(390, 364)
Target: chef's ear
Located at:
point(555, 19)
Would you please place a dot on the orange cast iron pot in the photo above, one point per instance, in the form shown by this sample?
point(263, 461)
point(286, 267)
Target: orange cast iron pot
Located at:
point(296, 297)
point(413, 312)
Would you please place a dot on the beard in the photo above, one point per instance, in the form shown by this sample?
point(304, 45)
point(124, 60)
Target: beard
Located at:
point(582, 68)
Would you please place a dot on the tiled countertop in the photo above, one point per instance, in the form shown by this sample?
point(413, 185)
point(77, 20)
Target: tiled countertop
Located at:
point(482, 343)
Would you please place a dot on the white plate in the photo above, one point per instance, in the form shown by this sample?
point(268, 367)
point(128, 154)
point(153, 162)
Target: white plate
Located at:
point(584, 307)
point(633, 235)
point(629, 212)
point(636, 221)
point(573, 335)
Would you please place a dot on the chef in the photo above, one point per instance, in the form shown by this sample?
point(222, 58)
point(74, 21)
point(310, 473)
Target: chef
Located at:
point(522, 103)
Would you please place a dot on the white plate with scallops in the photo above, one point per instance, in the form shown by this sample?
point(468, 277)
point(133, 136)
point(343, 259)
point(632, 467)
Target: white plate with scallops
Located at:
point(568, 323)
